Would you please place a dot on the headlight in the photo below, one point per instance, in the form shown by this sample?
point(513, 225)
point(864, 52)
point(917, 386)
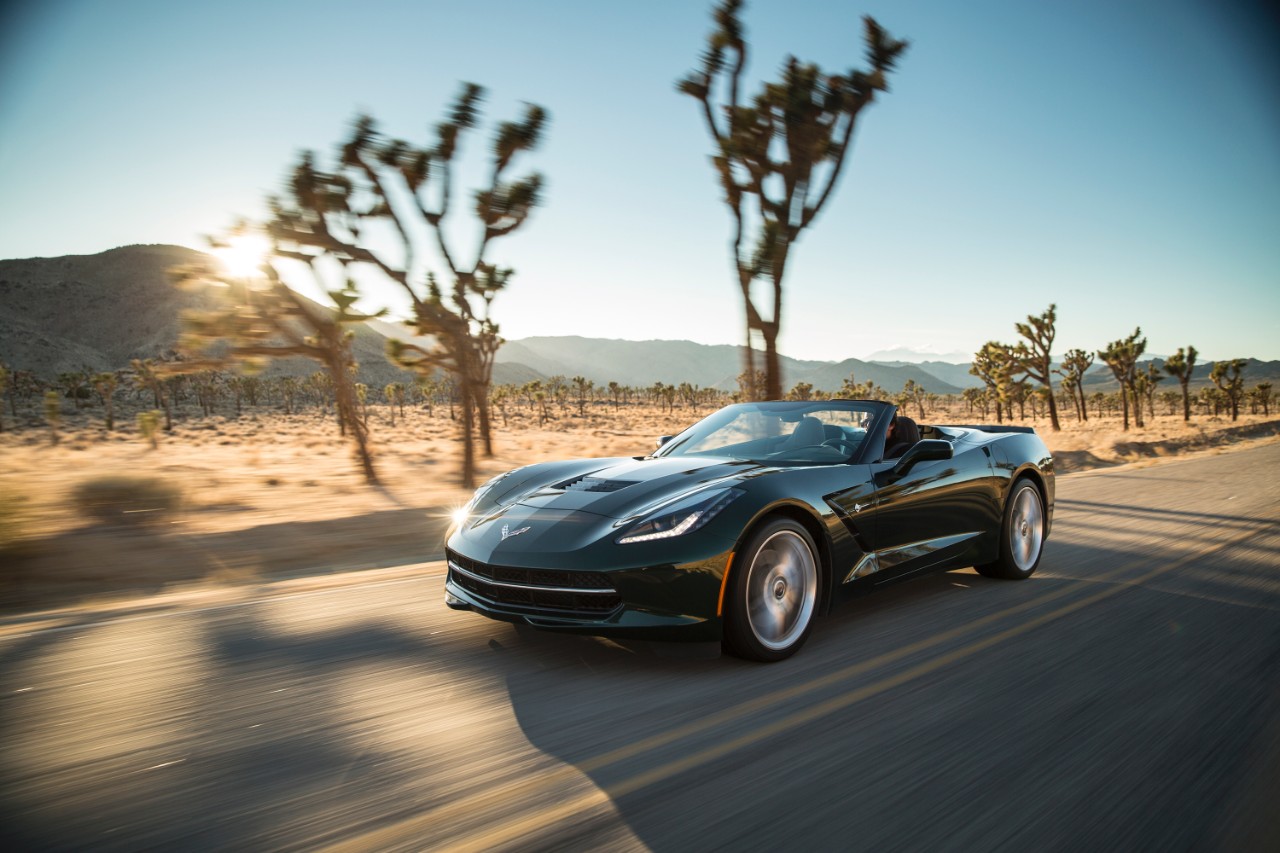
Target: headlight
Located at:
point(682, 516)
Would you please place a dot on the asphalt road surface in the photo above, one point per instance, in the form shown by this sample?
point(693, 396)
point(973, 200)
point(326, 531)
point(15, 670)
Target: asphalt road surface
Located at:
point(1127, 697)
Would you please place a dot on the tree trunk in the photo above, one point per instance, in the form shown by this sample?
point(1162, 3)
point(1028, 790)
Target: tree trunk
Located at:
point(485, 419)
point(468, 473)
point(772, 365)
point(1053, 410)
point(749, 366)
point(349, 417)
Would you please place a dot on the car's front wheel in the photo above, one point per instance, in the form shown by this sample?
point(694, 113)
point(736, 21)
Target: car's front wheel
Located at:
point(1021, 534)
point(773, 592)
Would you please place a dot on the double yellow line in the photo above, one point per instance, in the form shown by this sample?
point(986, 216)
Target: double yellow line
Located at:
point(418, 831)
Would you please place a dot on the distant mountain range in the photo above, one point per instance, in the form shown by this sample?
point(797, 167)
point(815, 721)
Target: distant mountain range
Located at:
point(100, 311)
point(907, 355)
point(642, 363)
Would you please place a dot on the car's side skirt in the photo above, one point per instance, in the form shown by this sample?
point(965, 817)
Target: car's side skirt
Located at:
point(889, 558)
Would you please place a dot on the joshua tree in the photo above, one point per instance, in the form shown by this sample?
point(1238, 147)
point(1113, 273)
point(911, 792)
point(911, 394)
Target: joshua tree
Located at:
point(1069, 389)
point(1144, 387)
point(615, 391)
point(1122, 357)
point(74, 385)
point(689, 394)
point(289, 386)
point(148, 426)
point(751, 384)
point(540, 397)
point(1033, 358)
point(801, 391)
point(1213, 400)
point(320, 384)
point(1262, 396)
point(995, 366)
point(1075, 364)
point(147, 374)
point(4, 387)
point(912, 392)
point(105, 384)
point(582, 390)
point(208, 387)
point(779, 156)
point(971, 397)
point(410, 188)
point(260, 319)
point(499, 397)
point(1179, 366)
point(396, 393)
point(52, 414)
point(1229, 377)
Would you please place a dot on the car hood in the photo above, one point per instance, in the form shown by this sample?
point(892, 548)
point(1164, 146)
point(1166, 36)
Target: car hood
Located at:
point(623, 488)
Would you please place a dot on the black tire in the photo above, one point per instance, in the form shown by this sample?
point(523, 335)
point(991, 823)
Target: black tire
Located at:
point(772, 595)
point(1022, 534)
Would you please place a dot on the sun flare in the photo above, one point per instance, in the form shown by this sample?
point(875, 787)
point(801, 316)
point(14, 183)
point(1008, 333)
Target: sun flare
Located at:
point(243, 254)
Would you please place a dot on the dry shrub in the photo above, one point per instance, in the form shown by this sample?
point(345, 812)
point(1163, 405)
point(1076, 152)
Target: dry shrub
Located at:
point(122, 499)
point(13, 520)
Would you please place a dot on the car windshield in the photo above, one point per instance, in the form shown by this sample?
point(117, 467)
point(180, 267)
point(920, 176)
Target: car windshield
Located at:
point(802, 433)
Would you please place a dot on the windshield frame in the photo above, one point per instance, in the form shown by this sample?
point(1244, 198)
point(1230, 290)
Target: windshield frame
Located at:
point(880, 411)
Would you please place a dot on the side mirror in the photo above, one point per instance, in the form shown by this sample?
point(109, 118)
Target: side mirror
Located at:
point(925, 450)
point(663, 439)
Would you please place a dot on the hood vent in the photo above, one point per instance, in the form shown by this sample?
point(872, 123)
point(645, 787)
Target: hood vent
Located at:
point(596, 484)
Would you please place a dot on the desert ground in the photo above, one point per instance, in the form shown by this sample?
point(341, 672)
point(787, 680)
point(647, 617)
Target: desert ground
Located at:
point(263, 497)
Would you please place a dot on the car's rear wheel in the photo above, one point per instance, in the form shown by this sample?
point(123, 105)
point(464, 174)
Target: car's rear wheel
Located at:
point(1021, 534)
point(773, 592)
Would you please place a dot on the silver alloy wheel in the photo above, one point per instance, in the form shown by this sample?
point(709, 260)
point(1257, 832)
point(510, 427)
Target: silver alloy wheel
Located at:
point(1026, 528)
point(782, 586)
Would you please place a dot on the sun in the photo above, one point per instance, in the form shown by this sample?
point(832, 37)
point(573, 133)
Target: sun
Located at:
point(243, 254)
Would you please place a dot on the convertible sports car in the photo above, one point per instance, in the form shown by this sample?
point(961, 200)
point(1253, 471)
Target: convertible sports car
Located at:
point(749, 523)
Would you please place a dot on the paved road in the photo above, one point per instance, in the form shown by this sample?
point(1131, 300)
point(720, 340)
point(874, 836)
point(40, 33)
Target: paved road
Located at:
point(1127, 697)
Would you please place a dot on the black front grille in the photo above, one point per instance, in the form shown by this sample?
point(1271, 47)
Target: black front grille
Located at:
point(548, 591)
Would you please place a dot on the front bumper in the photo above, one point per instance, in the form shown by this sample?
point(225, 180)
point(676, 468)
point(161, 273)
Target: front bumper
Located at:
point(663, 602)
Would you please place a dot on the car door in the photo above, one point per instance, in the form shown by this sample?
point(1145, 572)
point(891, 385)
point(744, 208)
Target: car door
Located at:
point(932, 515)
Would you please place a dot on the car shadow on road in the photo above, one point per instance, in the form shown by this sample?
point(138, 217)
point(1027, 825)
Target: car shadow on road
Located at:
point(730, 754)
point(105, 559)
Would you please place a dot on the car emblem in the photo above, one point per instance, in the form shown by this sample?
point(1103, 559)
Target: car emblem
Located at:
point(507, 532)
point(857, 507)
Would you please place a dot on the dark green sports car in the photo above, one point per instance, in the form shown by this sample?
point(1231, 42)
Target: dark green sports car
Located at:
point(749, 523)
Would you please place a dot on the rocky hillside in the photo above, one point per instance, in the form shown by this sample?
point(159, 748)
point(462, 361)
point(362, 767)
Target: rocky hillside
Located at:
point(98, 312)
point(95, 311)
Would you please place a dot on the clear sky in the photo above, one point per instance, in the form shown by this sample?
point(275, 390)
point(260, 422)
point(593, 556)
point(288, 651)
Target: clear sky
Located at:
point(1121, 159)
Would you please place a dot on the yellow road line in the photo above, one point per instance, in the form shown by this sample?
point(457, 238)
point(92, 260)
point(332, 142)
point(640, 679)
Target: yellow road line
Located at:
point(417, 827)
point(522, 828)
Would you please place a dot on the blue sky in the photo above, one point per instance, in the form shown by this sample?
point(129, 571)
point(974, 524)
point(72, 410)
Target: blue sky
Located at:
point(1119, 159)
